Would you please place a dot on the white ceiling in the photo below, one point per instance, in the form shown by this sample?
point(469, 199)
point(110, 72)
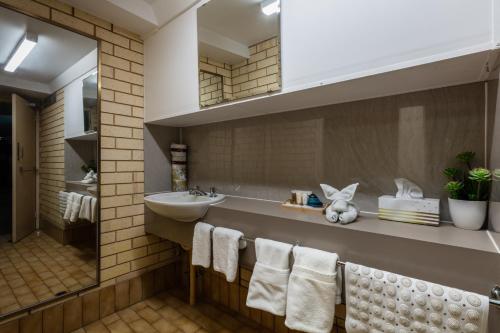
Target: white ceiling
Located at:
point(139, 16)
point(57, 49)
point(239, 20)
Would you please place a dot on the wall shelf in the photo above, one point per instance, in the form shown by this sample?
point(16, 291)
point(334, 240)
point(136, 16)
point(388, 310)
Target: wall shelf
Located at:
point(378, 83)
point(90, 136)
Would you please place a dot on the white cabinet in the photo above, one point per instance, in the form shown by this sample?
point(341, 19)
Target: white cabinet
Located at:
point(171, 69)
point(333, 51)
point(327, 41)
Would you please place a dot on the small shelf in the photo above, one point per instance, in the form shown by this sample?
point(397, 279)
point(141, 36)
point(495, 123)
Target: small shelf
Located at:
point(90, 136)
point(357, 86)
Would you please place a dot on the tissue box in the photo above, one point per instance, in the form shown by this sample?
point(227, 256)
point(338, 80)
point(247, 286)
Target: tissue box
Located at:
point(419, 211)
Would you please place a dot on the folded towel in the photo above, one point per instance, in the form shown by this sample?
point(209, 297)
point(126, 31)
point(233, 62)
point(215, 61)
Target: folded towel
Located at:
point(269, 282)
point(85, 208)
point(75, 207)
point(69, 206)
point(383, 301)
point(312, 291)
point(93, 210)
point(226, 244)
point(202, 244)
point(63, 199)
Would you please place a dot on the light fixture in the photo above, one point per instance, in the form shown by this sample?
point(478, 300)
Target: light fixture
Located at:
point(23, 48)
point(270, 7)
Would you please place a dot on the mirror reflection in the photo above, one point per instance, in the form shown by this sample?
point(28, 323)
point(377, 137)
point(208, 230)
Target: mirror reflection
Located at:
point(48, 151)
point(239, 50)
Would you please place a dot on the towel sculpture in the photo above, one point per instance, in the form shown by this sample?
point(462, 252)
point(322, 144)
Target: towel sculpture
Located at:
point(378, 301)
point(342, 209)
point(226, 244)
point(202, 244)
point(314, 288)
point(269, 282)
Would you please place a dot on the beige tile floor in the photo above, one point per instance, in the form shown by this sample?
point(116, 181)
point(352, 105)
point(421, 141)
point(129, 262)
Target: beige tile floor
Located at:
point(37, 267)
point(165, 313)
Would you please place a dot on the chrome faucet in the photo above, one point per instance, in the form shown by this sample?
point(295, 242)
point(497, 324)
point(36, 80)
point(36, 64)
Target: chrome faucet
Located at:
point(212, 192)
point(197, 191)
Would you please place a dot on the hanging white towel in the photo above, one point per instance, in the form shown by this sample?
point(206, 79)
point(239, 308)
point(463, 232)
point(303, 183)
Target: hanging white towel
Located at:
point(269, 282)
point(202, 244)
point(69, 206)
point(312, 291)
point(226, 248)
point(384, 301)
point(93, 210)
point(63, 199)
point(85, 208)
point(75, 207)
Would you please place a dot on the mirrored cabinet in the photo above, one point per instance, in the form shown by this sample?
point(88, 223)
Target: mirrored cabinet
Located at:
point(238, 49)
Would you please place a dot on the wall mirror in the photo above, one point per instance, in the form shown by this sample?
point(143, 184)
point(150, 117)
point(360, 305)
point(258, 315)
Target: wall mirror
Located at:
point(238, 49)
point(49, 158)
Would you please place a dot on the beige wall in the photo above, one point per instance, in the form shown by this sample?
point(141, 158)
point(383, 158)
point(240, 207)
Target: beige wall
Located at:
point(414, 135)
point(126, 250)
point(257, 75)
point(51, 174)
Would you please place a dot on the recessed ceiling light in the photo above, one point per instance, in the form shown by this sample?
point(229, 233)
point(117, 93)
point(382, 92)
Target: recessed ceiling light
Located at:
point(23, 48)
point(270, 7)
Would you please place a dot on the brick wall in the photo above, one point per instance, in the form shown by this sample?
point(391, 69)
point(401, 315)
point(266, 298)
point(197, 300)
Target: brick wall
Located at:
point(51, 175)
point(126, 250)
point(257, 75)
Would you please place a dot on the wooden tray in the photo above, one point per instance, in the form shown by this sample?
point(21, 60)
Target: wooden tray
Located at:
point(304, 208)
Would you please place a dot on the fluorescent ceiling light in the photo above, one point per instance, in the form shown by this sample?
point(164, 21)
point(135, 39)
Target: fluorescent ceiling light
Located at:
point(22, 50)
point(270, 7)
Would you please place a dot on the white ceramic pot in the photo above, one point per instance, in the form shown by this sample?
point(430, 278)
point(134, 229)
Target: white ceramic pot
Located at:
point(466, 214)
point(494, 216)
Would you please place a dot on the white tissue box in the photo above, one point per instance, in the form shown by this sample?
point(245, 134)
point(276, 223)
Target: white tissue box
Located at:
point(419, 211)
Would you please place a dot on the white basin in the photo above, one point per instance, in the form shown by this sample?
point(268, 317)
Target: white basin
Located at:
point(181, 206)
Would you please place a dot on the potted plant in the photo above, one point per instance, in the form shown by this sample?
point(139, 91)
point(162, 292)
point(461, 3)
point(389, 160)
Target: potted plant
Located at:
point(468, 192)
point(494, 212)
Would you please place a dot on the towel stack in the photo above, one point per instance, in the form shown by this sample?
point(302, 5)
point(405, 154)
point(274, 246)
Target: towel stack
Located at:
point(269, 282)
point(313, 291)
point(78, 206)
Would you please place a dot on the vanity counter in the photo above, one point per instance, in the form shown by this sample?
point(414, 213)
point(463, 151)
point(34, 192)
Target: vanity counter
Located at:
point(459, 258)
point(445, 234)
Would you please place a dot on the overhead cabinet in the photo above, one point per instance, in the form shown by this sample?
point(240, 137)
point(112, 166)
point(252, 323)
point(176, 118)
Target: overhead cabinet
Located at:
point(334, 51)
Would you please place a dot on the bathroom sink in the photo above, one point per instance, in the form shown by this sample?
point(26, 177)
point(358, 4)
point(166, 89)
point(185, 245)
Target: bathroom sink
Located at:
point(181, 206)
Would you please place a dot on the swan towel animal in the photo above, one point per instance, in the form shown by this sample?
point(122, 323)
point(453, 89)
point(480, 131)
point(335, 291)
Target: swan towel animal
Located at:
point(342, 208)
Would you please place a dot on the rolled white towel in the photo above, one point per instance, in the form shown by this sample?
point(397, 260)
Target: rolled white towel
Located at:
point(202, 244)
point(269, 282)
point(313, 291)
point(93, 210)
point(226, 244)
point(63, 199)
point(85, 208)
point(69, 206)
point(75, 207)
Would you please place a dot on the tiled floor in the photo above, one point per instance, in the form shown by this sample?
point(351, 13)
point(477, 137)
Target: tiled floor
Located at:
point(37, 267)
point(165, 313)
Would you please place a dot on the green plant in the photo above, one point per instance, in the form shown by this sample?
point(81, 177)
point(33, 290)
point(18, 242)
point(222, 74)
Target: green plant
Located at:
point(471, 184)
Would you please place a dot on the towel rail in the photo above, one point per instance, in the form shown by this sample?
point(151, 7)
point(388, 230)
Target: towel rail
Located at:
point(495, 292)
